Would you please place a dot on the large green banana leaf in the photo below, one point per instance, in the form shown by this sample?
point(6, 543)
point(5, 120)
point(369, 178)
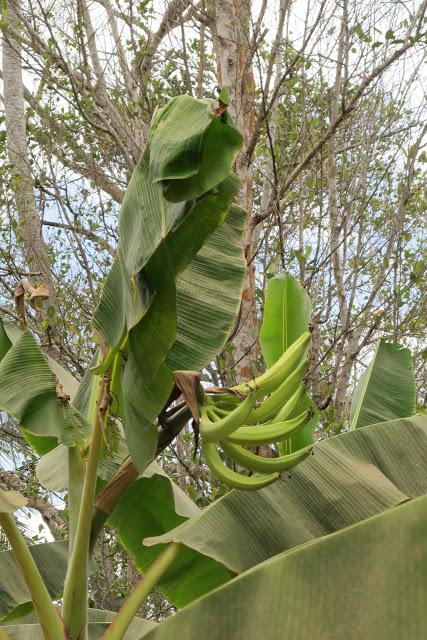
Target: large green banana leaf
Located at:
point(367, 581)
point(349, 478)
point(386, 390)
point(5, 341)
point(188, 160)
point(155, 245)
point(52, 468)
point(208, 295)
point(28, 392)
point(15, 599)
point(153, 248)
point(11, 331)
point(192, 147)
point(29, 629)
point(287, 314)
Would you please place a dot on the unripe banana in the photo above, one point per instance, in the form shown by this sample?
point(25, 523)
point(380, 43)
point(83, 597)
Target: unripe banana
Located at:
point(263, 464)
point(271, 405)
point(219, 412)
point(225, 397)
point(230, 477)
point(268, 433)
point(220, 429)
point(273, 377)
point(287, 409)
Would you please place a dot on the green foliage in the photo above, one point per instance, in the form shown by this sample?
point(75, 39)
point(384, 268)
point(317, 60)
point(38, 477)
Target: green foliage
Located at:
point(191, 147)
point(168, 304)
point(28, 392)
point(349, 478)
point(287, 315)
point(386, 390)
point(343, 585)
point(149, 509)
point(144, 311)
point(99, 620)
point(15, 599)
point(11, 501)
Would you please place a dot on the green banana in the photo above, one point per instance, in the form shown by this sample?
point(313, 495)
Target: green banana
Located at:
point(219, 412)
point(273, 377)
point(219, 429)
point(263, 464)
point(230, 477)
point(225, 397)
point(269, 432)
point(287, 409)
point(275, 402)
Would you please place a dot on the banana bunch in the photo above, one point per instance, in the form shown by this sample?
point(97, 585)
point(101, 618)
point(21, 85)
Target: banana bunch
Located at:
point(266, 415)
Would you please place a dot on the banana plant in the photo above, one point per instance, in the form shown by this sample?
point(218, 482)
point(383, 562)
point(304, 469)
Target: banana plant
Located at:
point(179, 262)
point(166, 309)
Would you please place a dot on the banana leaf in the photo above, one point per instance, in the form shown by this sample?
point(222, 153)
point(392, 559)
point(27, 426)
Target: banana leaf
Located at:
point(350, 477)
point(68, 381)
point(143, 310)
point(29, 629)
point(208, 295)
point(386, 390)
point(29, 393)
point(15, 600)
point(5, 341)
point(153, 505)
point(192, 147)
point(287, 315)
point(10, 501)
point(367, 581)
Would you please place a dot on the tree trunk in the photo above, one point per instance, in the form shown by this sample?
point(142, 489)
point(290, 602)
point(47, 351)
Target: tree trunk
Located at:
point(22, 183)
point(231, 35)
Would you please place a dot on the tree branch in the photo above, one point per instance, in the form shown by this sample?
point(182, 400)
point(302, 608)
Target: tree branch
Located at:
point(49, 513)
point(341, 116)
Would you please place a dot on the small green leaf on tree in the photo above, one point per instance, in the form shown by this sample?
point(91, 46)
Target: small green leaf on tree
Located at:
point(224, 95)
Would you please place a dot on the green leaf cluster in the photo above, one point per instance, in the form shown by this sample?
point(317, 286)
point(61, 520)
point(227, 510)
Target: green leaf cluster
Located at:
point(179, 254)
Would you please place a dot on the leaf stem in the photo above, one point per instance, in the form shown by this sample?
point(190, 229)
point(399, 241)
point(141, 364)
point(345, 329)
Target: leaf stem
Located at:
point(75, 489)
point(121, 622)
point(75, 599)
point(50, 621)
